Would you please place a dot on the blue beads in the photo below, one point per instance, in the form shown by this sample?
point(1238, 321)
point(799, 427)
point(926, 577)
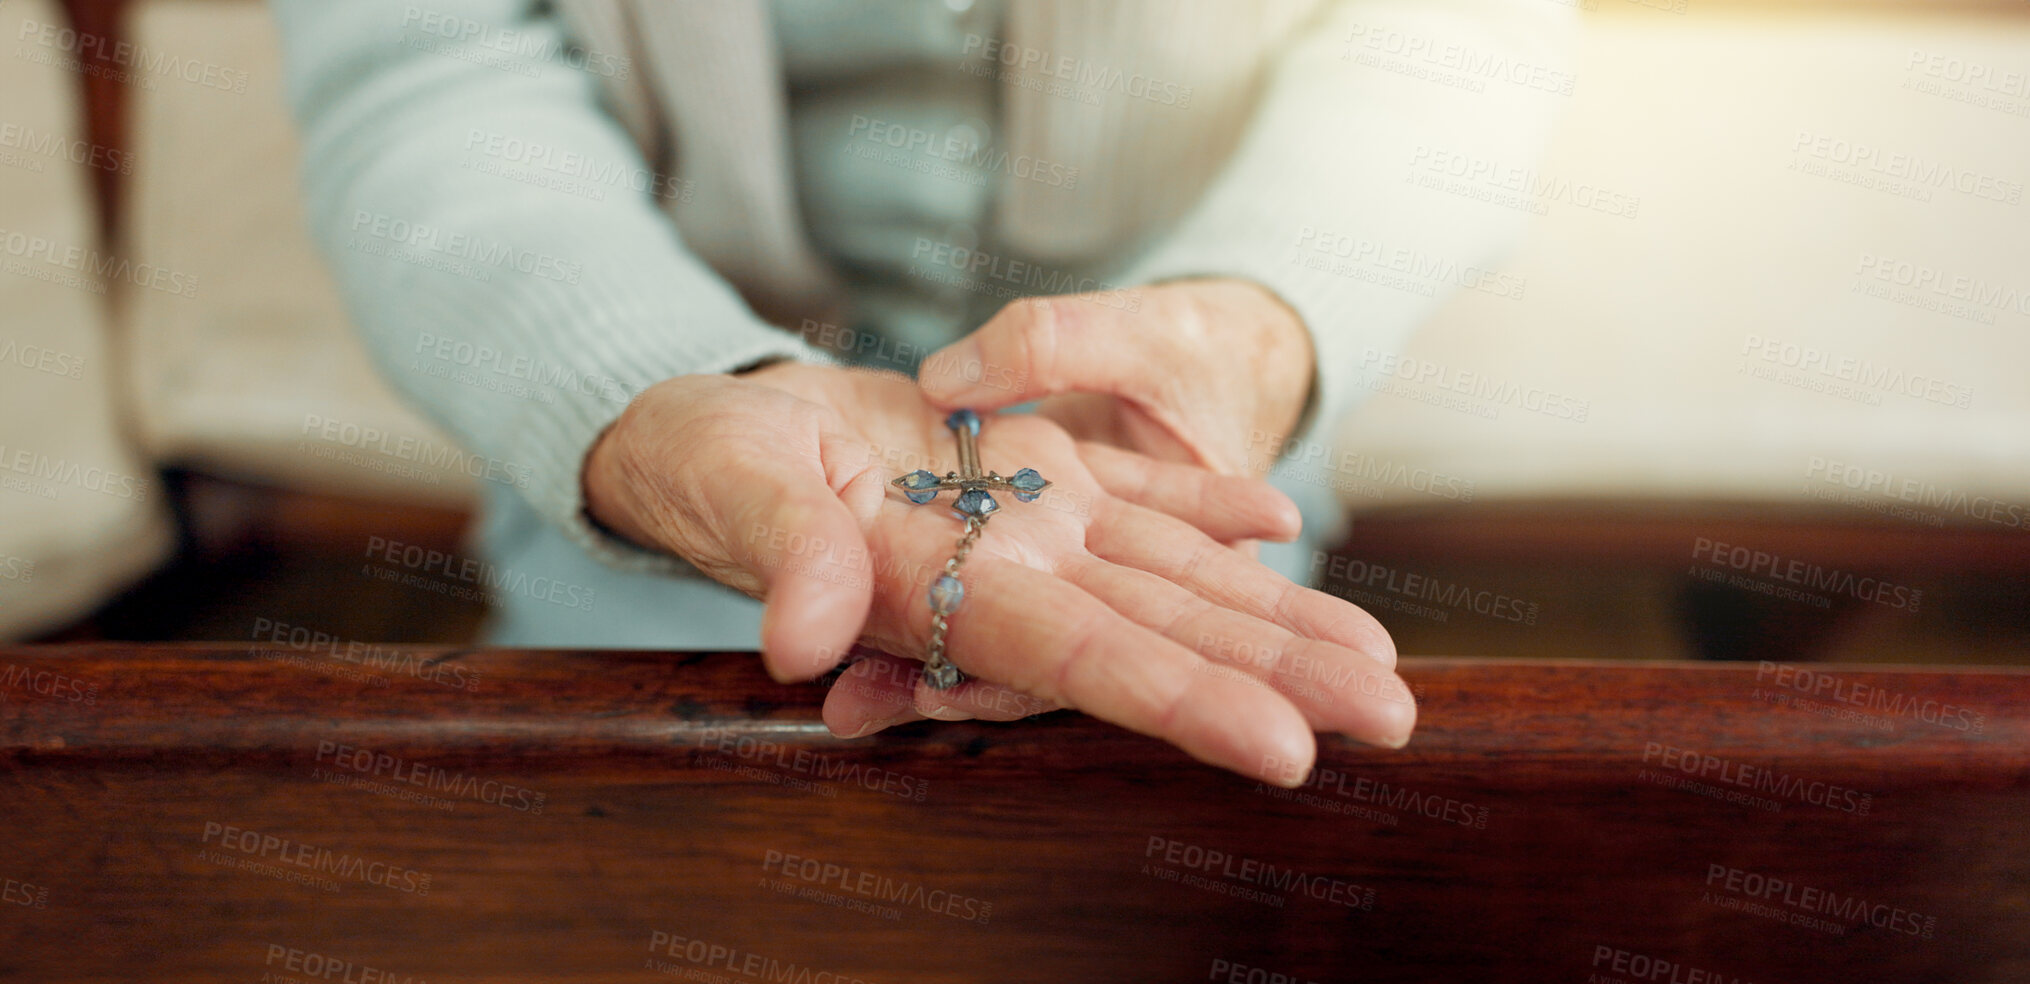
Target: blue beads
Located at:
point(945, 594)
point(975, 503)
point(964, 418)
point(914, 484)
point(1028, 485)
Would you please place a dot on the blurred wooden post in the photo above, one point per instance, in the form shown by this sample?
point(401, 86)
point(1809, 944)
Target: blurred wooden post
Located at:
point(104, 97)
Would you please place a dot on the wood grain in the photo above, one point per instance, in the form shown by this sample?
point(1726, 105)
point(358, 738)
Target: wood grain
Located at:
point(1518, 838)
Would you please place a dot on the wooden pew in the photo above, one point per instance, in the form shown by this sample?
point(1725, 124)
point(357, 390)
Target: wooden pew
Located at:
point(384, 814)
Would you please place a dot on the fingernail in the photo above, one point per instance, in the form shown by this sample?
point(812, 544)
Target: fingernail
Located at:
point(1289, 518)
point(876, 725)
point(947, 713)
point(1289, 778)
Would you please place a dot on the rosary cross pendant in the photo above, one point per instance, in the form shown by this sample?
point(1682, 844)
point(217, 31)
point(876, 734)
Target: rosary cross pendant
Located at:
point(974, 504)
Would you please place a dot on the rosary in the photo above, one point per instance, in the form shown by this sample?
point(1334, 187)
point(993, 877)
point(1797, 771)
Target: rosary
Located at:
point(974, 505)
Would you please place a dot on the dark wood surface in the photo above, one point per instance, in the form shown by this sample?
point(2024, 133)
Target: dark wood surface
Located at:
point(121, 813)
point(1650, 534)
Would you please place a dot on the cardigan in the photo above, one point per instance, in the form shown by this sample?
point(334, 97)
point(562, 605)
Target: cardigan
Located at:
point(598, 194)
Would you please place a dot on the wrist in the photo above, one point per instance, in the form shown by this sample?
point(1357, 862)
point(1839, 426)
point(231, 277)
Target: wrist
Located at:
point(604, 488)
point(1285, 356)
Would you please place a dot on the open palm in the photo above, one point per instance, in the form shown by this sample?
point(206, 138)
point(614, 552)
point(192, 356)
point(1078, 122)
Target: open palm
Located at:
point(1112, 594)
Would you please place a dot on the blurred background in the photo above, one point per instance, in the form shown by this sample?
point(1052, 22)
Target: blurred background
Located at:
point(1756, 386)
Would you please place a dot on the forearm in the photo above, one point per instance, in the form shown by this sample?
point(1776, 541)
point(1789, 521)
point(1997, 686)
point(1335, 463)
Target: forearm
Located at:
point(519, 314)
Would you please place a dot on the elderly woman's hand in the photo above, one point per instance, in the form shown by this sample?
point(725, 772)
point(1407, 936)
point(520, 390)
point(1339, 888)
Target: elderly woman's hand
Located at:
point(1211, 372)
point(776, 483)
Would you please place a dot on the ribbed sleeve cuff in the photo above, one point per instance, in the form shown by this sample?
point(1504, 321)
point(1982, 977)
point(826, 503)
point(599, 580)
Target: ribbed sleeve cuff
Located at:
point(583, 343)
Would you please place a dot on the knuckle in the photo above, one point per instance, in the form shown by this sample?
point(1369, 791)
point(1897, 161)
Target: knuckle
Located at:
point(1039, 338)
point(1081, 645)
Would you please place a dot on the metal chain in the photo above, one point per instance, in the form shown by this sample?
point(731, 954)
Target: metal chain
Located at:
point(935, 666)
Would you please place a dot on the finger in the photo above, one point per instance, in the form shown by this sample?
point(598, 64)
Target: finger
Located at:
point(881, 691)
point(789, 529)
point(1132, 536)
point(1337, 688)
point(1040, 347)
point(1154, 360)
point(872, 694)
point(1224, 507)
point(982, 699)
point(1045, 637)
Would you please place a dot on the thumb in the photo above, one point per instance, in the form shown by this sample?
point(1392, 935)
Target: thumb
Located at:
point(1041, 347)
point(791, 532)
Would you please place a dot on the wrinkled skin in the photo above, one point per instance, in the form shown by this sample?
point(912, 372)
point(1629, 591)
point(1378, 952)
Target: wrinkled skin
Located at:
point(1114, 594)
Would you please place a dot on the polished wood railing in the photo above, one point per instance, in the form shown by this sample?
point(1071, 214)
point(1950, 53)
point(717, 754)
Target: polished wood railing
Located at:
point(321, 809)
